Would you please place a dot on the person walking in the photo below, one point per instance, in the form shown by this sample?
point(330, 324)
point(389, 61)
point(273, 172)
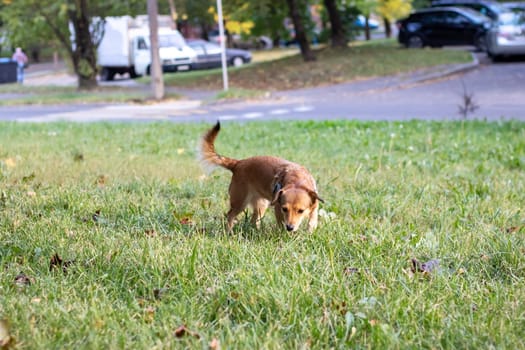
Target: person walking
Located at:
point(21, 60)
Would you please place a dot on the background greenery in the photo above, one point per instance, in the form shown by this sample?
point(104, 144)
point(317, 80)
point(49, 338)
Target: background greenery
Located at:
point(145, 253)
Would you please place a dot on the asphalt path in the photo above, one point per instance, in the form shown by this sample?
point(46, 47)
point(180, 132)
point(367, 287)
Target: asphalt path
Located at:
point(497, 91)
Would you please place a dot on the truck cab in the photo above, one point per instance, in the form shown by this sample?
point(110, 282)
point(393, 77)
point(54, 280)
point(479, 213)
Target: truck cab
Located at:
point(125, 48)
point(175, 55)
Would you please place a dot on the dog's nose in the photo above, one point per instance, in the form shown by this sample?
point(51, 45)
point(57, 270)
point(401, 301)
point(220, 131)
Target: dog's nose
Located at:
point(289, 227)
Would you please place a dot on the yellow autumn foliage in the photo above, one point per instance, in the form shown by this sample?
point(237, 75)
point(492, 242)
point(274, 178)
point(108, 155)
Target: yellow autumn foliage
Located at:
point(394, 9)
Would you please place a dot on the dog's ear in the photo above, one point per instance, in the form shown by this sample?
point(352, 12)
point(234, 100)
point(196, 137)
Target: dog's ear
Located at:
point(315, 196)
point(276, 196)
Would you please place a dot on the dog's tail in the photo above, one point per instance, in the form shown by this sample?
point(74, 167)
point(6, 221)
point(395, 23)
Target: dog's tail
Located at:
point(208, 157)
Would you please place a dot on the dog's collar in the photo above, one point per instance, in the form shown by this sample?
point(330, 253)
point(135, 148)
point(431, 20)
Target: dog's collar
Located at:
point(277, 187)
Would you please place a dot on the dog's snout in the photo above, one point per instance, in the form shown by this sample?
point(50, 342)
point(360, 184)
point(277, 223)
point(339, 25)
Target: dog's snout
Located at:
point(289, 227)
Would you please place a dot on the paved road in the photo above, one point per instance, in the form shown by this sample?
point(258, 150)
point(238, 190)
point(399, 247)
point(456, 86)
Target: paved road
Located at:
point(498, 90)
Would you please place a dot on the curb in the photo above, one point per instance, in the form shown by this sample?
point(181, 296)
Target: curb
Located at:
point(450, 70)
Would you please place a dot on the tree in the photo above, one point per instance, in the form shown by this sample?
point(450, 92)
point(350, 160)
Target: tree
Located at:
point(157, 82)
point(297, 8)
point(262, 17)
point(392, 10)
point(366, 7)
point(70, 24)
point(336, 24)
point(197, 13)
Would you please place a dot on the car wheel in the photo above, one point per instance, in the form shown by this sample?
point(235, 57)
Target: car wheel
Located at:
point(481, 43)
point(107, 74)
point(415, 42)
point(237, 61)
point(148, 70)
point(493, 57)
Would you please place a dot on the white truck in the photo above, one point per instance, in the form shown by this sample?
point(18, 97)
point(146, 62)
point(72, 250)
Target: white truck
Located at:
point(125, 48)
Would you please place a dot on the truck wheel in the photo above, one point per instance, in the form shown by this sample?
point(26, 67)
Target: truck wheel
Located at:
point(132, 73)
point(107, 74)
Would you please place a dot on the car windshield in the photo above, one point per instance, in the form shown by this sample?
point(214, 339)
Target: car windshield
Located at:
point(511, 18)
point(171, 40)
point(475, 15)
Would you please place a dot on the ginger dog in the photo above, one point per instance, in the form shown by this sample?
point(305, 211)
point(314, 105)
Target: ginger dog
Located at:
point(262, 181)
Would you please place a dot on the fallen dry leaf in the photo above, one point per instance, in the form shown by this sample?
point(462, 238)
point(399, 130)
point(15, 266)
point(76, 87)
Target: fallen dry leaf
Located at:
point(186, 221)
point(150, 233)
point(159, 293)
point(22, 280)
point(514, 229)
point(184, 218)
point(96, 216)
point(28, 178)
point(426, 267)
point(349, 271)
point(57, 262)
point(183, 331)
point(149, 313)
point(101, 180)
point(78, 157)
point(485, 257)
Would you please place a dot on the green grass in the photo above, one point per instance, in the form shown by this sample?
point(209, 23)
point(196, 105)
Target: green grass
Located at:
point(128, 204)
point(359, 61)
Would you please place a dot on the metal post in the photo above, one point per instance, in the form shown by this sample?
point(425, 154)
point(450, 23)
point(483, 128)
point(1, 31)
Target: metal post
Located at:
point(223, 46)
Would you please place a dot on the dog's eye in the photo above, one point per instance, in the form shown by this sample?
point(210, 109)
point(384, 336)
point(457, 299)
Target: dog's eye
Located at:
point(285, 209)
point(300, 211)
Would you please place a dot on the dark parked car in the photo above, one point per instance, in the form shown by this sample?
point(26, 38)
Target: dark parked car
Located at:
point(209, 55)
point(488, 8)
point(442, 26)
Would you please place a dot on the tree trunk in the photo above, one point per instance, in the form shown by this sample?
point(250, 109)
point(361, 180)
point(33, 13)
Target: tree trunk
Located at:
point(367, 27)
point(157, 82)
point(388, 28)
point(205, 28)
point(300, 34)
point(173, 14)
point(337, 28)
point(83, 56)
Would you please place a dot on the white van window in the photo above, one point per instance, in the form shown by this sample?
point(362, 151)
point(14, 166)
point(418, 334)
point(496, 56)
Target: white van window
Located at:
point(141, 43)
point(171, 40)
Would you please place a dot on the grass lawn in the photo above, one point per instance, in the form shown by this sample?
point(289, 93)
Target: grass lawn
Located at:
point(111, 238)
point(359, 61)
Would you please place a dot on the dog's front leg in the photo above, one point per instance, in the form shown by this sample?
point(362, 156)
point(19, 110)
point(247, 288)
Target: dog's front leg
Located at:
point(279, 217)
point(313, 219)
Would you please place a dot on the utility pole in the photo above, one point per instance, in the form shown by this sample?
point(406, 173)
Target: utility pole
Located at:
point(223, 46)
point(157, 81)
